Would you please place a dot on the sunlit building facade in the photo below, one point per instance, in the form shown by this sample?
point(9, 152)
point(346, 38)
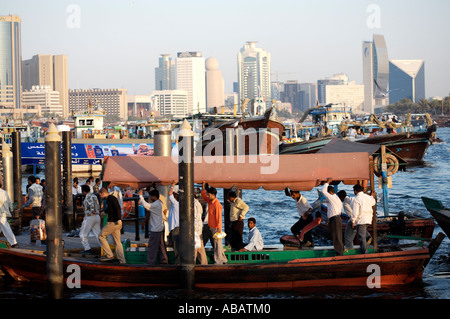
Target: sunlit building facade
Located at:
point(375, 73)
point(10, 62)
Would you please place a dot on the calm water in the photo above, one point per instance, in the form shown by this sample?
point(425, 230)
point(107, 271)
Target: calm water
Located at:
point(275, 214)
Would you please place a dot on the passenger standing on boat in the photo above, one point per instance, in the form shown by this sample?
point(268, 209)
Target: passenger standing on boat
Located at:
point(35, 195)
point(174, 220)
point(334, 209)
point(215, 222)
point(304, 210)
point(6, 207)
point(255, 241)
point(112, 227)
point(156, 243)
point(363, 213)
point(238, 209)
point(200, 252)
point(91, 220)
point(206, 231)
point(350, 231)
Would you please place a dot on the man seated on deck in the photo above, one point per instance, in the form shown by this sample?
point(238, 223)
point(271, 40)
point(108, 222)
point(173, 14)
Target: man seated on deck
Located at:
point(304, 211)
point(255, 241)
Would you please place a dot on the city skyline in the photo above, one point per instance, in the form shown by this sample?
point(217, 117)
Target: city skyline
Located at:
point(117, 44)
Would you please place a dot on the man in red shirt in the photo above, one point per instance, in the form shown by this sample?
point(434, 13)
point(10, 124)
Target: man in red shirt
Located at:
point(215, 222)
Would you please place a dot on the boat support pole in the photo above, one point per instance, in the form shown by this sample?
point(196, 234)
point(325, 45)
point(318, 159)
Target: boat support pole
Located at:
point(384, 180)
point(17, 171)
point(186, 202)
point(55, 278)
point(67, 174)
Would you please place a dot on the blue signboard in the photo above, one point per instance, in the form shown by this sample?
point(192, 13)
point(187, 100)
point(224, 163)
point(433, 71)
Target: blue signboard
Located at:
point(86, 154)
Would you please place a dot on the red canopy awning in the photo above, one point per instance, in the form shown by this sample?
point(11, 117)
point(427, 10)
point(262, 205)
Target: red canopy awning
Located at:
point(272, 172)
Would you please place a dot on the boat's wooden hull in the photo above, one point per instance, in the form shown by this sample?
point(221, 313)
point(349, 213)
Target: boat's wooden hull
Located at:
point(412, 227)
point(410, 147)
point(260, 135)
point(395, 268)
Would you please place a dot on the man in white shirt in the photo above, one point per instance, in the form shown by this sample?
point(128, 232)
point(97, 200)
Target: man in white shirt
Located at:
point(304, 210)
point(6, 207)
point(174, 220)
point(156, 244)
point(255, 241)
point(363, 213)
point(350, 231)
point(238, 209)
point(200, 252)
point(76, 189)
point(334, 209)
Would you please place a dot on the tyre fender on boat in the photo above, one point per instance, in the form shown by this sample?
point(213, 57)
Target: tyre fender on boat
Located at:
point(392, 165)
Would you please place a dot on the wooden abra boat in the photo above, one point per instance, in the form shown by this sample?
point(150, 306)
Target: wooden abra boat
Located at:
point(265, 269)
point(260, 135)
point(439, 212)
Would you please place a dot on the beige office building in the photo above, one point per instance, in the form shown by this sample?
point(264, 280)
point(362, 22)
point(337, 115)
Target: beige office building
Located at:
point(351, 95)
point(48, 70)
point(112, 101)
point(172, 102)
point(43, 99)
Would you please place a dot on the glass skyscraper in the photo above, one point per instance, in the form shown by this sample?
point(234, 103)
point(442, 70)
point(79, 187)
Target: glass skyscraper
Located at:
point(406, 80)
point(10, 62)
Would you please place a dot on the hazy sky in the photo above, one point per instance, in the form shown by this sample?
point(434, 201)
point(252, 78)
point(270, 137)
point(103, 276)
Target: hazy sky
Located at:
point(116, 44)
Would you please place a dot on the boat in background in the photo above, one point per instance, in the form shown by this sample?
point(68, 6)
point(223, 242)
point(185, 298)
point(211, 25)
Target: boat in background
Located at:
point(258, 134)
point(406, 141)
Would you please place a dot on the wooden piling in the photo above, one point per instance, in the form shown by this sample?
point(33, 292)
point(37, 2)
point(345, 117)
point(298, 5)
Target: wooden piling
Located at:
point(55, 276)
point(186, 202)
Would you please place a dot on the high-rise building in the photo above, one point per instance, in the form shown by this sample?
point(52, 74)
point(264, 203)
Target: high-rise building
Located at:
point(215, 89)
point(254, 73)
point(307, 96)
point(406, 80)
point(191, 78)
point(165, 74)
point(290, 94)
point(337, 79)
point(375, 73)
point(112, 101)
point(10, 62)
point(48, 70)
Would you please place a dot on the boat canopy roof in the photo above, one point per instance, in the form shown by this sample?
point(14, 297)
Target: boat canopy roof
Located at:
point(271, 172)
point(337, 145)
